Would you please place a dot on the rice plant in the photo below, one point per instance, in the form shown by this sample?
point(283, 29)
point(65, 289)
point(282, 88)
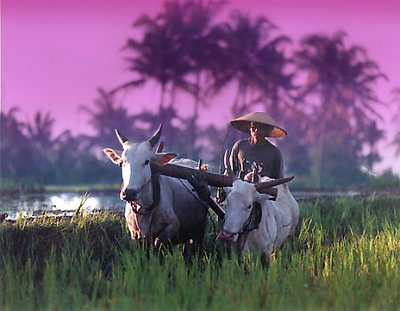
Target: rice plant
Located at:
point(345, 256)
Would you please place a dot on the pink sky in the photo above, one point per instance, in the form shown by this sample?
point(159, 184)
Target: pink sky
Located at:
point(56, 53)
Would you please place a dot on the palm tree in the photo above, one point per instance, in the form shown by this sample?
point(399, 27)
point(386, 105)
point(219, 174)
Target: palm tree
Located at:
point(191, 23)
point(105, 117)
point(295, 146)
point(252, 58)
point(173, 52)
point(396, 101)
point(339, 94)
point(15, 149)
point(40, 131)
point(158, 56)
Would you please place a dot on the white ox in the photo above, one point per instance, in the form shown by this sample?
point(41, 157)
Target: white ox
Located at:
point(260, 227)
point(161, 209)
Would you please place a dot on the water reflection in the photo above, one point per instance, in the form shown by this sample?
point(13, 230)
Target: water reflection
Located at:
point(313, 195)
point(58, 203)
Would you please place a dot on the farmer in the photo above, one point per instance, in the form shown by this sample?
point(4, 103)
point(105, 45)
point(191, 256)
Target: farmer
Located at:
point(257, 148)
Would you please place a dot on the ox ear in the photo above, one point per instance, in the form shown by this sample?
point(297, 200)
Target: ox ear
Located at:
point(114, 156)
point(261, 197)
point(163, 158)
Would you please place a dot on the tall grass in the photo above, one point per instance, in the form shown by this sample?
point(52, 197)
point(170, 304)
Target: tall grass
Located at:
point(344, 256)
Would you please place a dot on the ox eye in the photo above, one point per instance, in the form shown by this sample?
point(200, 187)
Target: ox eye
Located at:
point(249, 207)
point(146, 162)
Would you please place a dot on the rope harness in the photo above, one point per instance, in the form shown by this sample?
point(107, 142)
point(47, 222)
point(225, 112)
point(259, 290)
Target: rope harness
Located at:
point(253, 220)
point(155, 184)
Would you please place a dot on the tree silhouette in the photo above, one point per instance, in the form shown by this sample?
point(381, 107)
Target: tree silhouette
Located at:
point(40, 130)
point(396, 118)
point(190, 21)
point(295, 145)
point(252, 59)
point(15, 149)
point(339, 97)
point(173, 52)
point(105, 117)
point(158, 56)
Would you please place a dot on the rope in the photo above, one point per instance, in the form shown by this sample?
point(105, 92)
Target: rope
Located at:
point(191, 192)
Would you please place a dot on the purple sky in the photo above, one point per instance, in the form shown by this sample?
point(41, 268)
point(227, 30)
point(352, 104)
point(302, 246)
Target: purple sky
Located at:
point(56, 53)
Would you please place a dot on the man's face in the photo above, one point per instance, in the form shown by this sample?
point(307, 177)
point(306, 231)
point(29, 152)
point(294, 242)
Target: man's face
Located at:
point(259, 130)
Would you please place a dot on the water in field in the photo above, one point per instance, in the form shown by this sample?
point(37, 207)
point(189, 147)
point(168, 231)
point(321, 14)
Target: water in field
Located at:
point(318, 194)
point(65, 203)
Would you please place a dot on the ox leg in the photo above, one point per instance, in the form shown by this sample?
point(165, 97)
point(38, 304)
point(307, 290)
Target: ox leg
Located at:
point(265, 259)
point(192, 247)
point(166, 236)
point(189, 251)
point(198, 240)
point(266, 255)
point(242, 247)
point(157, 247)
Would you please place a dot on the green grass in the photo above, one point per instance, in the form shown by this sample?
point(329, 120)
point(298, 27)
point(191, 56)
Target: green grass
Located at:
point(345, 256)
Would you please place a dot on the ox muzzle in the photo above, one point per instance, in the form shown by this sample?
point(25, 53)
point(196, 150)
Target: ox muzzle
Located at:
point(227, 235)
point(129, 195)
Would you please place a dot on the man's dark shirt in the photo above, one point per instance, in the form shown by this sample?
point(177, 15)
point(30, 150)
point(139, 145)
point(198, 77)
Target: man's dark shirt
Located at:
point(266, 154)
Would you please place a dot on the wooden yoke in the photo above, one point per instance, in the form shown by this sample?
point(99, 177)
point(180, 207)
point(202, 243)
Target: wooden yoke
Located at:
point(212, 179)
point(178, 171)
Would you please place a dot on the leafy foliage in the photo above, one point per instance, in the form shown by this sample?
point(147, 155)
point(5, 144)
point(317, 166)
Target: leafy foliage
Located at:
point(323, 93)
point(32, 157)
point(341, 103)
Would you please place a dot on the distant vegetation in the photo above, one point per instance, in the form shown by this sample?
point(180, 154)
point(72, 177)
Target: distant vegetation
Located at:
point(386, 180)
point(322, 90)
point(345, 256)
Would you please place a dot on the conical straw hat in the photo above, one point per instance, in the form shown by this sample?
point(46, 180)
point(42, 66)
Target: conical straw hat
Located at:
point(242, 123)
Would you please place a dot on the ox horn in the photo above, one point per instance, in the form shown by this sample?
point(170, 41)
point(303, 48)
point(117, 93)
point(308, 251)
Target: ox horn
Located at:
point(122, 139)
point(262, 186)
point(160, 147)
point(156, 136)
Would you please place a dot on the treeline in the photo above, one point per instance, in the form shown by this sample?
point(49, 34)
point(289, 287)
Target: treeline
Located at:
point(322, 91)
point(32, 156)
